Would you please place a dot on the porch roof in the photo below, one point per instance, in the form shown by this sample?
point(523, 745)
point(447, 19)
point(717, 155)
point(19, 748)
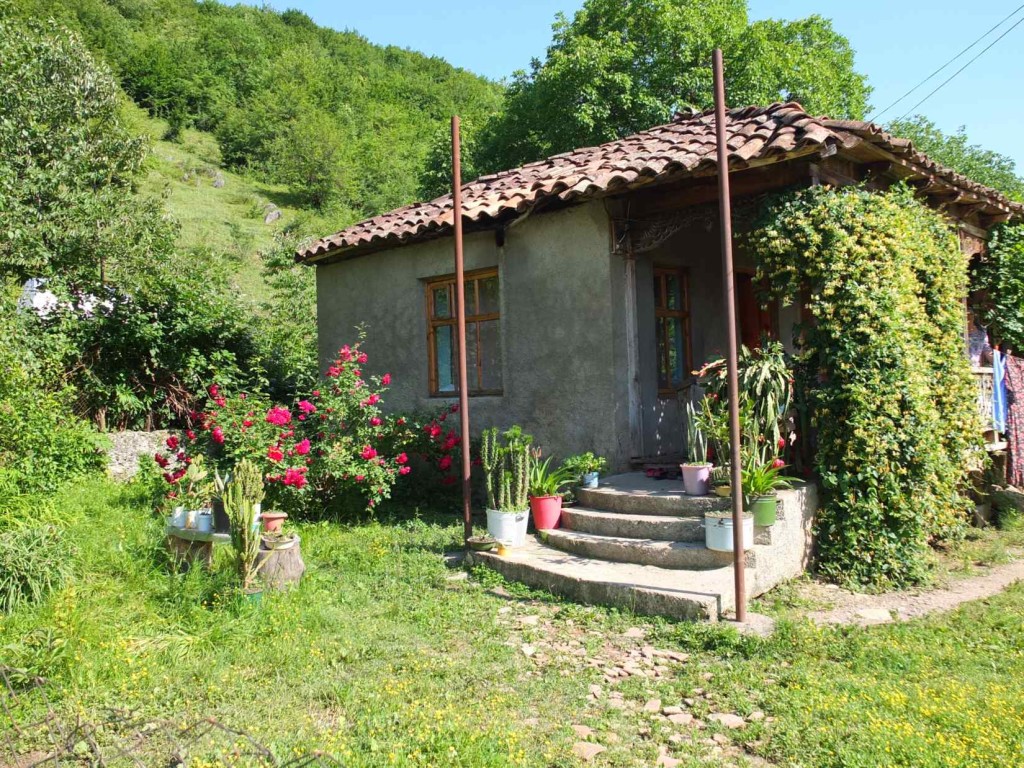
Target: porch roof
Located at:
point(683, 148)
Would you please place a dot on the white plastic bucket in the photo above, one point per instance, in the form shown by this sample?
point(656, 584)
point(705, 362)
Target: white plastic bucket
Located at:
point(508, 527)
point(178, 517)
point(204, 523)
point(590, 480)
point(718, 533)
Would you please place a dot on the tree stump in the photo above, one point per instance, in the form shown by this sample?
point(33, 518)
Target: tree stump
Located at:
point(185, 553)
point(280, 562)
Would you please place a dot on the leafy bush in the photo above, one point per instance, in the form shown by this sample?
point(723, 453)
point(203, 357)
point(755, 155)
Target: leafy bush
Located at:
point(889, 385)
point(1000, 274)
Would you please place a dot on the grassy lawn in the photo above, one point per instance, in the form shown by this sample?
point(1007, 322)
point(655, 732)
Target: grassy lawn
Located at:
point(385, 656)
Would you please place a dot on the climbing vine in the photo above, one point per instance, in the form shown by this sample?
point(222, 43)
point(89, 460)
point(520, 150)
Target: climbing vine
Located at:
point(891, 393)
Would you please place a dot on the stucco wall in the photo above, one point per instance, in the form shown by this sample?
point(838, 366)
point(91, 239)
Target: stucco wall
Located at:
point(562, 347)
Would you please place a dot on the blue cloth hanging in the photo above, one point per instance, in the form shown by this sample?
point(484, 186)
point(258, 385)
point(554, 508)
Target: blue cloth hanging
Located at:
point(998, 390)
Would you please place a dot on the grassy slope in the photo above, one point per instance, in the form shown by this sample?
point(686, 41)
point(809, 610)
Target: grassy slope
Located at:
point(379, 658)
point(228, 220)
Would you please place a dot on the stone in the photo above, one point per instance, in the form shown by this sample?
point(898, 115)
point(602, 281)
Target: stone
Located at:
point(272, 215)
point(727, 719)
point(531, 722)
point(676, 738)
point(681, 718)
point(720, 738)
point(582, 731)
point(595, 690)
point(218, 180)
point(458, 576)
point(874, 615)
point(672, 710)
point(587, 750)
point(689, 702)
point(666, 761)
point(652, 706)
point(529, 620)
point(755, 716)
point(527, 649)
point(634, 632)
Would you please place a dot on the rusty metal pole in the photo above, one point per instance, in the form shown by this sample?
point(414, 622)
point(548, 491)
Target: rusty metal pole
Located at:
point(460, 325)
point(731, 353)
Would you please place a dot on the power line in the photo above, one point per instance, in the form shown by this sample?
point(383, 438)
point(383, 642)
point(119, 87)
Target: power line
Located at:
point(965, 66)
point(933, 74)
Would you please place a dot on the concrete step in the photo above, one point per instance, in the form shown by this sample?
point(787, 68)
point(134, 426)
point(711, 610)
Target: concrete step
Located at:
point(661, 554)
point(659, 527)
point(642, 589)
point(636, 494)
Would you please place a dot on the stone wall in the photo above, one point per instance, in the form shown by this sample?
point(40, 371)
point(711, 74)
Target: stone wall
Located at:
point(126, 449)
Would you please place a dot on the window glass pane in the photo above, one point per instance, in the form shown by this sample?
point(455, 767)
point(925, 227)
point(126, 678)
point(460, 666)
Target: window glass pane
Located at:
point(444, 346)
point(663, 376)
point(676, 356)
point(488, 295)
point(472, 375)
point(442, 303)
point(673, 288)
point(659, 300)
point(490, 354)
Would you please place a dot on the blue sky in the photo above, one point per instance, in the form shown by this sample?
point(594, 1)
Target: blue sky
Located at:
point(898, 43)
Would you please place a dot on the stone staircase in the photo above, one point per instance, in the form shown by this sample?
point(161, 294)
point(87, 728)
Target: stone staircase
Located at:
point(638, 543)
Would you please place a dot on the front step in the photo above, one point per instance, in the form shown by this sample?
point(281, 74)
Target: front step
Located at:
point(658, 527)
point(642, 589)
point(661, 554)
point(634, 493)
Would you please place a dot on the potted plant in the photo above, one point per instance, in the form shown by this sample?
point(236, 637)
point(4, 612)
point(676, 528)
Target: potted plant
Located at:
point(482, 543)
point(506, 463)
point(545, 492)
point(697, 471)
point(585, 468)
point(721, 480)
point(193, 497)
point(761, 480)
point(718, 531)
point(241, 511)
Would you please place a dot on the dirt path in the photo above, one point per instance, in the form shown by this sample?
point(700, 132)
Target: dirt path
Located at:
point(864, 610)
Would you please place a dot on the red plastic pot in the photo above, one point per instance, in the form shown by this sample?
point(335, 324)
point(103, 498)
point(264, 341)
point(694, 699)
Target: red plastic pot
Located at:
point(547, 511)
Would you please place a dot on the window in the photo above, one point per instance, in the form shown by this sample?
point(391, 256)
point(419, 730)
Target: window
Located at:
point(483, 335)
point(672, 320)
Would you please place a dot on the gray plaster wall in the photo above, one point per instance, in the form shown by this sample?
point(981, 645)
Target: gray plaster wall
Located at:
point(563, 348)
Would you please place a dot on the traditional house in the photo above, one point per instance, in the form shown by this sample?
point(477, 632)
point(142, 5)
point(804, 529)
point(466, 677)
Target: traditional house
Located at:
point(594, 279)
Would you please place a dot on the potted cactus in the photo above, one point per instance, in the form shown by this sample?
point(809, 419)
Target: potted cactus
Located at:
point(697, 471)
point(505, 458)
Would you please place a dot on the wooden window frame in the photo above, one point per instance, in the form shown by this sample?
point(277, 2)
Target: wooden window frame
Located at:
point(662, 313)
point(473, 279)
point(772, 308)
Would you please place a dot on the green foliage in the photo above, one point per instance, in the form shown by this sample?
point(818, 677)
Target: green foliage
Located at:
point(436, 176)
point(505, 457)
point(34, 560)
point(954, 151)
point(1000, 274)
point(890, 386)
point(621, 67)
point(240, 509)
point(585, 463)
point(545, 481)
point(696, 437)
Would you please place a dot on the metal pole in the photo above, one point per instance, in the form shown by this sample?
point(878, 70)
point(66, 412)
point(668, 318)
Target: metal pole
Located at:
point(460, 325)
point(731, 353)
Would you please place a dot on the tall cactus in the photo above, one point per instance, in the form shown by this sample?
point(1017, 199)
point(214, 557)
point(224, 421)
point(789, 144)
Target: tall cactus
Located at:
point(506, 463)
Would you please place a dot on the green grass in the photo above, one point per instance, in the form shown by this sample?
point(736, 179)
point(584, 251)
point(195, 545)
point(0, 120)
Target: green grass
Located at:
point(381, 658)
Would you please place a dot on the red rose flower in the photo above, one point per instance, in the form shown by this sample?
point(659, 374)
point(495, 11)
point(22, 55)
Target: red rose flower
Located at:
point(368, 453)
point(279, 416)
point(402, 458)
point(445, 462)
point(405, 470)
point(306, 407)
point(385, 379)
point(218, 435)
point(376, 421)
point(362, 358)
point(302, 448)
point(172, 442)
point(274, 453)
point(778, 464)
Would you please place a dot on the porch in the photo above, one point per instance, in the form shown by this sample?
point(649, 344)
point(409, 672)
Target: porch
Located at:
point(638, 543)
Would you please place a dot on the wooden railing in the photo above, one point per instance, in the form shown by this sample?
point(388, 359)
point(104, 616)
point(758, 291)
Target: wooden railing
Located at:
point(984, 380)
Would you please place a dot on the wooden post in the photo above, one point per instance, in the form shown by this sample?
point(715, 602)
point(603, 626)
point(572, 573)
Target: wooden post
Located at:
point(732, 353)
point(460, 324)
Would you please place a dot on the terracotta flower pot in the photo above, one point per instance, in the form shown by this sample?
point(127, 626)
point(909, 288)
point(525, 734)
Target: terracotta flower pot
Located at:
point(272, 521)
point(547, 511)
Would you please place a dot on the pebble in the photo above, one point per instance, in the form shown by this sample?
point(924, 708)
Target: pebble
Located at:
point(672, 710)
point(586, 750)
point(654, 705)
point(727, 720)
point(583, 732)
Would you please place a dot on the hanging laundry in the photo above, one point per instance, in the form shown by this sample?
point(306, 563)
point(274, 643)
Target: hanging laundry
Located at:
point(999, 390)
point(1014, 369)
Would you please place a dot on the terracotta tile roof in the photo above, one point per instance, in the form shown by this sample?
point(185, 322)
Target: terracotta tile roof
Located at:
point(684, 147)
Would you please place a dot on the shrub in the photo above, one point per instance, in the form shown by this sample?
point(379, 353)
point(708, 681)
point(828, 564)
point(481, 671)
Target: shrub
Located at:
point(889, 385)
point(1000, 274)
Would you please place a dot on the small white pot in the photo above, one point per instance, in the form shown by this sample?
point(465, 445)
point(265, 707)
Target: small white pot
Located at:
point(204, 523)
point(508, 527)
point(178, 517)
point(590, 480)
point(718, 533)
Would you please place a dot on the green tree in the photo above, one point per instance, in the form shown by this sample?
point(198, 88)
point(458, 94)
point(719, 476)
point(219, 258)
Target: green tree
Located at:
point(436, 176)
point(955, 151)
point(310, 156)
point(621, 67)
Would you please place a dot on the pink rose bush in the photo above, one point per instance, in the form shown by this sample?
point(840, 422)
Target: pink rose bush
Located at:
point(334, 442)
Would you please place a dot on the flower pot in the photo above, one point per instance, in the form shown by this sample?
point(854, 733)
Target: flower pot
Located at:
point(718, 532)
point(696, 478)
point(204, 523)
point(221, 523)
point(178, 517)
point(191, 519)
point(253, 595)
point(764, 509)
point(481, 543)
point(589, 480)
point(725, 491)
point(547, 511)
point(272, 521)
point(508, 527)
